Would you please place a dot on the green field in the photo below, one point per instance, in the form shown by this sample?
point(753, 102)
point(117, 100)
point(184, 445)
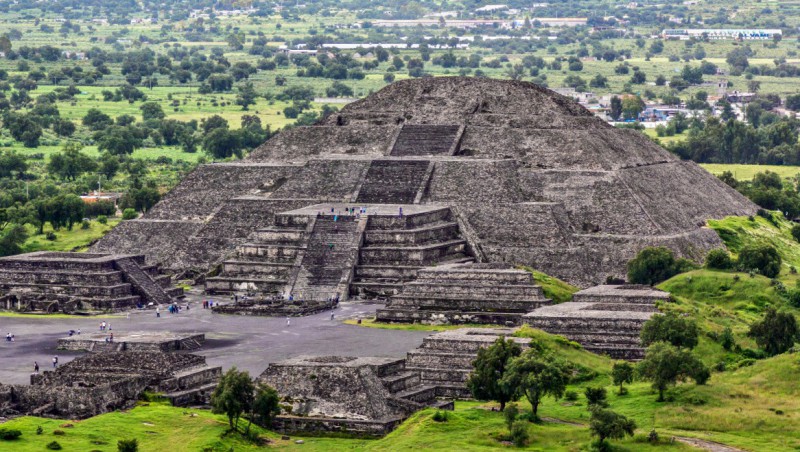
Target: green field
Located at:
point(747, 172)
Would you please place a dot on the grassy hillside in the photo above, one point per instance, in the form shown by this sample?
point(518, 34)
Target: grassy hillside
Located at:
point(747, 172)
point(553, 288)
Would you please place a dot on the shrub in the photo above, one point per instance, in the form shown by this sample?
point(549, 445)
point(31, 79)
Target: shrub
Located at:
point(53, 445)
point(719, 259)
point(51, 236)
point(796, 232)
point(39, 430)
point(726, 339)
point(763, 258)
point(655, 264)
point(129, 214)
point(85, 224)
point(440, 416)
point(776, 332)
point(8, 434)
point(128, 445)
point(59, 432)
point(678, 331)
point(510, 414)
point(102, 219)
point(596, 397)
point(571, 396)
point(519, 434)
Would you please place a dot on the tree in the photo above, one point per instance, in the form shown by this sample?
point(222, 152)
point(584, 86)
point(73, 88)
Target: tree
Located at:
point(638, 77)
point(763, 258)
point(606, 424)
point(118, 140)
point(12, 163)
point(719, 259)
point(11, 240)
point(776, 332)
point(616, 108)
point(96, 119)
point(678, 331)
point(247, 95)
point(536, 374)
point(655, 264)
point(152, 110)
point(596, 397)
point(265, 405)
point(490, 367)
point(233, 396)
point(622, 373)
point(70, 163)
point(664, 365)
point(793, 102)
point(632, 106)
point(141, 199)
point(795, 230)
point(222, 143)
point(510, 414)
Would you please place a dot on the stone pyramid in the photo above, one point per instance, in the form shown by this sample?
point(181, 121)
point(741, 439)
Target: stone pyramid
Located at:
point(488, 170)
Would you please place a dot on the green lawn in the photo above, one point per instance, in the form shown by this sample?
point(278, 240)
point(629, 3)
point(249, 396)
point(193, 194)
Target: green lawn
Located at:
point(747, 172)
point(75, 240)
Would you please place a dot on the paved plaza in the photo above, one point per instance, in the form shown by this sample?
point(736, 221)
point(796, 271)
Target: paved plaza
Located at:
point(247, 342)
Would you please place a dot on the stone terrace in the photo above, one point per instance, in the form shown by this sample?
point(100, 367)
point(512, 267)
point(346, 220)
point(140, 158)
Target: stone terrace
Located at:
point(465, 293)
point(604, 319)
point(362, 396)
point(85, 282)
point(98, 383)
point(139, 341)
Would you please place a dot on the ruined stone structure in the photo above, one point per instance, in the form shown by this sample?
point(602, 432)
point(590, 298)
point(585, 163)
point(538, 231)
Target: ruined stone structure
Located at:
point(518, 173)
point(359, 396)
point(135, 341)
point(101, 382)
point(465, 293)
point(81, 282)
point(604, 319)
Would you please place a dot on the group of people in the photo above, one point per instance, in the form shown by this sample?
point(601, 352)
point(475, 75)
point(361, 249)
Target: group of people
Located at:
point(208, 304)
point(9, 337)
point(73, 332)
point(104, 326)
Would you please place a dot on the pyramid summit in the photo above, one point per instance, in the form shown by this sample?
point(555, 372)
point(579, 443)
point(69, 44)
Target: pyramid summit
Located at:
point(425, 172)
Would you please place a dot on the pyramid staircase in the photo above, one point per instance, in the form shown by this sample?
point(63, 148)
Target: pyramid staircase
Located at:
point(408, 393)
point(393, 181)
point(423, 139)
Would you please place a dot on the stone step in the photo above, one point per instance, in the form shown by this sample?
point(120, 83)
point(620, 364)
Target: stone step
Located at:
point(401, 382)
point(436, 232)
point(617, 352)
point(274, 252)
point(585, 324)
point(371, 289)
point(386, 272)
point(453, 391)
point(463, 304)
point(454, 275)
point(256, 268)
point(60, 277)
point(468, 345)
point(439, 376)
point(223, 284)
point(278, 235)
point(434, 317)
point(409, 221)
point(200, 395)
point(117, 290)
point(392, 181)
point(425, 139)
point(423, 394)
point(190, 378)
point(417, 255)
point(439, 359)
point(472, 290)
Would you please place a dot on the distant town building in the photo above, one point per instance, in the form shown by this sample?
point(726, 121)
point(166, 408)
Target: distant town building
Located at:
point(721, 33)
point(472, 23)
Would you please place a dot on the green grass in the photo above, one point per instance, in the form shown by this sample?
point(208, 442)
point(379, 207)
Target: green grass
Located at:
point(747, 172)
point(738, 232)
point(75, 240)
point(553, 288)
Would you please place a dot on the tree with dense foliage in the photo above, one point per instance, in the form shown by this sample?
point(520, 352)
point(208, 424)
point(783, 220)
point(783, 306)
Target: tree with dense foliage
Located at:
point(678, 331)
point(12, 164)
point(247, 95)
point(776, 332)
point(615, 110)
point(265, 406)
point(655, 264)
point(11, 239)
point(537, 374)
point(70, 163)
point(233, 396)
point(664, 365)
point(596, 396)
point(96, 120)
point(606, 424)
point(719, 259)
point(622, 372)
point(490, 366)
point(762, 258)
point(152, 110)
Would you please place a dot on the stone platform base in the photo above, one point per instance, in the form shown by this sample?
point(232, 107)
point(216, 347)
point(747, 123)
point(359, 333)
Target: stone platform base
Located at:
point(132, 341)
point(294, 309)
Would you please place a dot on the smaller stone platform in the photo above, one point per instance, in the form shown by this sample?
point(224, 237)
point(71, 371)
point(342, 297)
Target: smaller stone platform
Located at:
point(465, 293)
point(337, 394)
point(605, 319)
point(273, 307)
point(81, 282)
point(138, 341)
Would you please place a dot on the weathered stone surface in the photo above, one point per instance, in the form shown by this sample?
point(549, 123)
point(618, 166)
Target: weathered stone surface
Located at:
point(139, 341)
point(529, 176)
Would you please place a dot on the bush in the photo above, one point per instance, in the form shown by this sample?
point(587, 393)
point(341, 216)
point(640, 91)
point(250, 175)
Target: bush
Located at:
point(102, 219)
point(8, 434)
point(596, 397)
point(655, 264)
point(571, 396)
point(440, 416)
point(129, 214)
point(53, 445)
point(39, 430)
point(59, 432)
point(51, 236)
point(128, 445)
point(719, 259)
point(519, 434)
point(85, 224)
point(796, 232)
point(510, 414)
point(763, 258)
point(726, 339)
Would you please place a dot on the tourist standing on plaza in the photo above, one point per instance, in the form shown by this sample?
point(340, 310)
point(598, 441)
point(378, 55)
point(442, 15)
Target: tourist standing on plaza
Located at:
point(36, 368)
point(158, 311)
point(55, 362)
point(288, 321)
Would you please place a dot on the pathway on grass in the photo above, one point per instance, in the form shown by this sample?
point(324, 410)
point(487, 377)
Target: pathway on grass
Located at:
point(710, 446)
